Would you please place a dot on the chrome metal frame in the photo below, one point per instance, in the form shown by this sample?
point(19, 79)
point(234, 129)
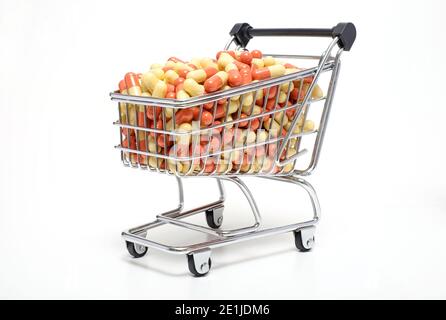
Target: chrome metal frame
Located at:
point(139, 235)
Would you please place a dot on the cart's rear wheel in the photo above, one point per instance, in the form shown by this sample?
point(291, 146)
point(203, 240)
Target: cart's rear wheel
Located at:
point(304, 239)
point(136, 250)
point(214, 217)
point(199, 263)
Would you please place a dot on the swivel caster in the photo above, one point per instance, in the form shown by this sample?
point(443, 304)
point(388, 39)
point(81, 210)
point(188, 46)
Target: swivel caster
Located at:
point(136, 250)
point(199, 263)
point(214, 217)
point(304, 238)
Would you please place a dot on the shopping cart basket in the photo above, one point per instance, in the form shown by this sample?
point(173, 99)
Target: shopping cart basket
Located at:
point(286, 150)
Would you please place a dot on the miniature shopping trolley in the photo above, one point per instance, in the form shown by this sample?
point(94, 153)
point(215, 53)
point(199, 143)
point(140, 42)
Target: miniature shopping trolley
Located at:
point(263, 130)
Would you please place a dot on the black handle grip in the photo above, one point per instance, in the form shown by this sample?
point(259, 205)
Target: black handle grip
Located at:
point(346, 32)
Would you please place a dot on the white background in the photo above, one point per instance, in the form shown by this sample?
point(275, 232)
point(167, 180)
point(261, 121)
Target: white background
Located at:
point(65, 197)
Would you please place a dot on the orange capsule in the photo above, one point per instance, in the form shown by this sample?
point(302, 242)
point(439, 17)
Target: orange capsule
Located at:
point(208, 106)
point(220, 112)
point(194, 67)
point(206, 118)
point(272, 92)
point(183, 73)
point(178, 81)
point(234, 78)
point(273, 71)
point(243, 124)
point(167, 68)
point(240, 65)
point(183, 116)
point(289, 66)
point(122, 87)
point(216, 82)
point(196, 113)
point(132, 84)
point(230, 52)
point(175, 59)
point(170, 88)
point(245, 57)
point(210, 71)
point(179, 87)
point(151, 110)
point(256, 54)
point(255, 124)
point(246, 75)
point(171, 95)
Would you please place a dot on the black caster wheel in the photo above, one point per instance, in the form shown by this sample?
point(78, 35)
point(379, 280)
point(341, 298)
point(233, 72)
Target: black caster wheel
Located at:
point(304, 239)
point(136, 250)
point(214, 217)
point(199, 263)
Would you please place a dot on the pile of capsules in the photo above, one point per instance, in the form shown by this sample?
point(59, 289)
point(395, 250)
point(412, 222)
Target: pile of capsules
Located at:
point(230, 145)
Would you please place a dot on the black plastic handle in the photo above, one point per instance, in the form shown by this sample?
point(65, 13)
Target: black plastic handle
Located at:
point(346, 32)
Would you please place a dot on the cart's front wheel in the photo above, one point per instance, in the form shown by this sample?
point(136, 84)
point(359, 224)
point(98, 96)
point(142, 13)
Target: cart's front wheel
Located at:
point(199, 263)
point(214, 217)
point(304, 239)
point(136, 250)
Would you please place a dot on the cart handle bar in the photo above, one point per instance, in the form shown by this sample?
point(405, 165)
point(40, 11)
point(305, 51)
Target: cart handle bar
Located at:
point(346, 33)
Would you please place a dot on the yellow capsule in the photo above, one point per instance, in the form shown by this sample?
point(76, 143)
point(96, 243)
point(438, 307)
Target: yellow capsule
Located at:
point(208, 62)
point(277, 70)
point(269, 61)
point(271, 125)
point(156, 66)
point(281, 117)
point(184, 139)
point(282, 97)
point(193, 88)
point(152, 145)
point(182, 95)
point(170, 64)
point(196, 62)
point(230, 66)
point(248, 99)
point(171, 76)
point(160, 89)
point(150, 80)
point(198, 75)
point(317, 92)
point(258, 62)
point(224, 59)
point(308, 126)
point(233, 106)
point(159, 73)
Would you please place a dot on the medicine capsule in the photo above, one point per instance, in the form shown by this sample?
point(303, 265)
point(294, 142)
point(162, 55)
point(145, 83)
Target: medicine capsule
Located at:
point(170, 76)
point(216, 82)
point(274, 71)
point(224, 59)
point(257, 63)
point(150, 80)
point(241, 65)
point(246, 75)
point(210, 71)
point(159, 73)
point(175, 59)
point(132, 84)
point(193, 88)
point(256, 54)
point(234, 78)
point(245, 57)
point(122, 87)
point(160, 89)
point(269, 61)
point(199, 75)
